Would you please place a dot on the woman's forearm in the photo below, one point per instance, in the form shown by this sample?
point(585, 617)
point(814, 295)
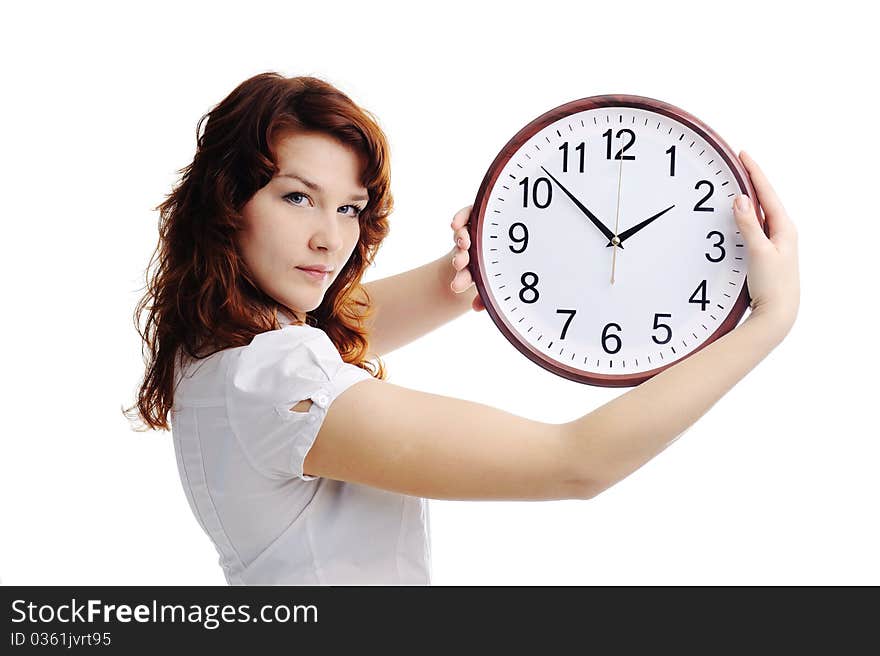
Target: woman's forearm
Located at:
point(619, 437)
point(413, 303)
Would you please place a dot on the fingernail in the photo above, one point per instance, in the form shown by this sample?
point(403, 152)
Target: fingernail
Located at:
point(742, 203)
point(459, 241)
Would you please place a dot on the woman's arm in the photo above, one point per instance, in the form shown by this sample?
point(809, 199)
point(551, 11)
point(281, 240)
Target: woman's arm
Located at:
point(619, 437)
point(379, 434)
point(421, 444)
point(625, 433)
point(412, 304)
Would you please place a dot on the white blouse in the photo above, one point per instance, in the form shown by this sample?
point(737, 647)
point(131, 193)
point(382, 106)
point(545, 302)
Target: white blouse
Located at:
point(240, 452)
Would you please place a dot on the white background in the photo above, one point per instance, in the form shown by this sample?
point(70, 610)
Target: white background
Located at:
point(776, 484)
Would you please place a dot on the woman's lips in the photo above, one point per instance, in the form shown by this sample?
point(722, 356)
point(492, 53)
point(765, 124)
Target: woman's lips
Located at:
point(315, 275)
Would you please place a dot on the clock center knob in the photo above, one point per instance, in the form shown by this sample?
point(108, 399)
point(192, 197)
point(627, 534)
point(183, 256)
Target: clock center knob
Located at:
point(615, 240)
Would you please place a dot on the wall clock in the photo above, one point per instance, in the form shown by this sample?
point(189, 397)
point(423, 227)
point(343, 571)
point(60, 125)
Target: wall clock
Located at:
point(603, 241)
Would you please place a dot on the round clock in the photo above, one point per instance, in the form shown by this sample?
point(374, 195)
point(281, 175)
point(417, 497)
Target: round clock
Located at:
point(603, 241)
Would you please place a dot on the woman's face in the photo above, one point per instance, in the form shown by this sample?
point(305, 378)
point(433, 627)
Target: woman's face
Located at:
point(305, 218)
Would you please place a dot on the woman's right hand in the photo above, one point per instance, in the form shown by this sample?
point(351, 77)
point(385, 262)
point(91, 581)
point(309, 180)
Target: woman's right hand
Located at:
point(773, 279)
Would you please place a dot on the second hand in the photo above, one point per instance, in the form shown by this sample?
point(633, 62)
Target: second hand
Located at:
point(616, 240)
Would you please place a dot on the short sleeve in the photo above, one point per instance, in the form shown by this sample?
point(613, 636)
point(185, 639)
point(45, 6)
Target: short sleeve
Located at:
point(269, 376)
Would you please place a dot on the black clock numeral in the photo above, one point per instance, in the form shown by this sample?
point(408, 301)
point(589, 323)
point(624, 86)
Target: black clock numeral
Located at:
point(699, 206)
point(718, 246)
point(571, 314)
point(529, 287)
point(564, 148)
point(606, 337)
point(657, 324)
point(701, 289)
point(671, 153)
point(620, 155)
point(524, 240)
point(525, 185)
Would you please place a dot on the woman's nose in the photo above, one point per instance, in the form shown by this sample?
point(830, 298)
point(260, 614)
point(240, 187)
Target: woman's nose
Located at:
point(327, 234)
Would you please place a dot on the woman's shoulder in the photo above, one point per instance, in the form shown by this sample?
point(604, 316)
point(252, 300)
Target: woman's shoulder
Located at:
point(286, 338)
point(291, 348)
point(270, 362)
point(276, 358)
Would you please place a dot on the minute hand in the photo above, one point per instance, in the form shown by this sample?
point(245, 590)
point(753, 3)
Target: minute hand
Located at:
point(626, 234)
point(605, 231)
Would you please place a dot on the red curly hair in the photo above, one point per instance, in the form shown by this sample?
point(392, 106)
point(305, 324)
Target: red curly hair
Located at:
point(200, 297)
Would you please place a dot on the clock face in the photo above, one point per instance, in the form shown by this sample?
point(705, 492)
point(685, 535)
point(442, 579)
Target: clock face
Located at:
point(605, 240)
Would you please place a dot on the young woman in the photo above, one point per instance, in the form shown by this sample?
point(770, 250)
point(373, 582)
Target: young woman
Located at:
point(300, 462)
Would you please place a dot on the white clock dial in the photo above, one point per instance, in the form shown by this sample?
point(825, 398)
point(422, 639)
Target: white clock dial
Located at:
point(573, 294)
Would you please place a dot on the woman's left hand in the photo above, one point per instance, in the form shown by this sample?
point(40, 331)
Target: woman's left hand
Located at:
point(462, 279)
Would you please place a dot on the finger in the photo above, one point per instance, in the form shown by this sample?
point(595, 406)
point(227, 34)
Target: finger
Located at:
point(462, 238)
point(458, 283)
point(747, 222)
point(778, 223)
point(461, 217)
point(477, 304)
point(460, 260)
point(766, 194)
point(462, 281)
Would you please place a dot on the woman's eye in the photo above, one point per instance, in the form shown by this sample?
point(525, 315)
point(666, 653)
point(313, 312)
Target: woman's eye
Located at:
point(295, 197)
point(291, 197)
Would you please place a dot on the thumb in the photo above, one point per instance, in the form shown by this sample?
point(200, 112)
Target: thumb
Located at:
point(747, 221)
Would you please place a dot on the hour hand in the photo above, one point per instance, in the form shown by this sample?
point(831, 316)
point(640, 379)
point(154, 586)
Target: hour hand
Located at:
point(605, 231)
point(626, 234)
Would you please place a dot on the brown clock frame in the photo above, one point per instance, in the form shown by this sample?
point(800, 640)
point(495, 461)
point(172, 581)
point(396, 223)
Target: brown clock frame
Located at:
point(478, 266)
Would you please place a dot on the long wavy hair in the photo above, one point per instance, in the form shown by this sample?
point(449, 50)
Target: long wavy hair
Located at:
point(200, 297)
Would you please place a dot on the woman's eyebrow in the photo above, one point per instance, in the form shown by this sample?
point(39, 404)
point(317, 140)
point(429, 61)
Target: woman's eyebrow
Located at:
point(317, 187)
